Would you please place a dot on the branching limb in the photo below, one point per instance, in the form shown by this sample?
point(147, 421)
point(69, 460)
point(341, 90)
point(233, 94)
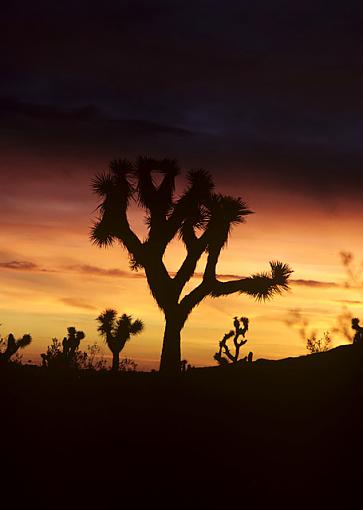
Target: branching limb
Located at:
point(195, 247)
point(262, 286)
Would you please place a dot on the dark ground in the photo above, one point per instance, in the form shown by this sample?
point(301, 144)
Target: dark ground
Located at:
point(286, 433)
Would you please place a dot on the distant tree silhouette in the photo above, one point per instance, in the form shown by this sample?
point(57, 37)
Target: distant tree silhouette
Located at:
point(200, 217)
point(117, 331)
point(358, 336)
point(13, 346)
point(71, 343)
point(236, 333)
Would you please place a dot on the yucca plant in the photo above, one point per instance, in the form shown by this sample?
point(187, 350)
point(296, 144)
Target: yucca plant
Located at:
point(201, 218)
point(13, 345)
point(71, 343)
point(117, 331)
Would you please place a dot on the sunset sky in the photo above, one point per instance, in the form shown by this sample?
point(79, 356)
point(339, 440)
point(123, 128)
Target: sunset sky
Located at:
point(267, 97)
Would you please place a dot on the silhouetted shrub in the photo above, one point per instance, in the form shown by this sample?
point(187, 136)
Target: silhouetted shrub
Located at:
point(314, 344)
point(54, 357)
point(90, 360)
point(295, 319)
point(127, 365)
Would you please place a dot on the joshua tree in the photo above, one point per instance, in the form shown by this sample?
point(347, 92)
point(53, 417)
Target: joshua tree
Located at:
point(200, 217)
point(13, 346)
point(71, 343)
point(236, 333)
point(117, 331)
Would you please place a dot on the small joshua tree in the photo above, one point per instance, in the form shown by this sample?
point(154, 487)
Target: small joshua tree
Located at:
point(13, 346)
point(71, 343)
point(117, 331)
point(236, 333)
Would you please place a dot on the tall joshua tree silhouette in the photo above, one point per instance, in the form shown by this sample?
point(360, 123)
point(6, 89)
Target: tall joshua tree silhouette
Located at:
point(117, 331)
point(202, 218)
point(13, 346)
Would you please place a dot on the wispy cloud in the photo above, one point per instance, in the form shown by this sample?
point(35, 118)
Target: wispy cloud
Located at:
point(77, 303)
point(95, 270)
point(26, 265)
point(349, 302)
point(19, 265)
point(20, 113)
point(315, 283)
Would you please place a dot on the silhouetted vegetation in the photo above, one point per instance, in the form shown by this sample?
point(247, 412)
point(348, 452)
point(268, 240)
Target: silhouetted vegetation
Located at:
point(116, 332)
point(295, 319)
point(93, 359)
point(201, 218)
point(276, 419)
point(71, 343)
point(322, 344)
point(11, 346)
point(127, 365)
point(358, 336)
point(225, 354)
point(55, 357)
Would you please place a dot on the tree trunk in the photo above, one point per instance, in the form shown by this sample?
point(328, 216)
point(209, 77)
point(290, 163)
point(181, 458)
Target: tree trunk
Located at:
point(115, 361)
point(171, 353)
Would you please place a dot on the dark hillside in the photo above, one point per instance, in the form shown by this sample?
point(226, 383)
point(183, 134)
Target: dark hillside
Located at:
point(272, 430)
